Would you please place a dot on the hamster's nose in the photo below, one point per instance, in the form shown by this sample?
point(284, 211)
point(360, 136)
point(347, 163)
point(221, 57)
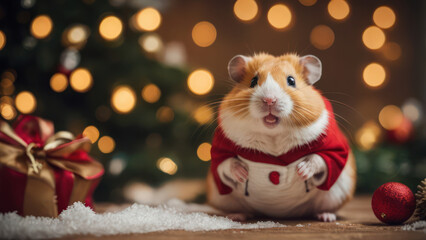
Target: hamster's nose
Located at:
point(269, 101)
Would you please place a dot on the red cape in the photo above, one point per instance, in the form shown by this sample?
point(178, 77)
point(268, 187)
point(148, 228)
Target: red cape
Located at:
point(332, 146)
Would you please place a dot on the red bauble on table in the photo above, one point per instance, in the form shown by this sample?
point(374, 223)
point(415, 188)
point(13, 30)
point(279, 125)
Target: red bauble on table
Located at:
point(393, 203)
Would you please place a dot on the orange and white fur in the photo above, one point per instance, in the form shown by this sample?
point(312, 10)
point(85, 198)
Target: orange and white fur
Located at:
point(299, 117)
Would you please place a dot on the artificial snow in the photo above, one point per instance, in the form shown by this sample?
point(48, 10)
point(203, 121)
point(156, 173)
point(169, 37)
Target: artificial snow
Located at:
point(419, 225)
point(81, 220)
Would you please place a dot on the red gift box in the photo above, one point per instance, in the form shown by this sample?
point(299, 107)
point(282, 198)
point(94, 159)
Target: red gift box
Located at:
point(41, 172)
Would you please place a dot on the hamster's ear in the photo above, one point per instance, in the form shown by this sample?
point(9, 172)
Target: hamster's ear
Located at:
point(312, 68)
point(237, 67)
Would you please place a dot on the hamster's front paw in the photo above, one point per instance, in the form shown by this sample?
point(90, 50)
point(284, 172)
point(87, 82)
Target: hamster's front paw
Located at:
point(239, 171)
point(313, 164)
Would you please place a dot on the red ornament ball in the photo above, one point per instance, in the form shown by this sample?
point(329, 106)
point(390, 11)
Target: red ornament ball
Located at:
point(393, 203)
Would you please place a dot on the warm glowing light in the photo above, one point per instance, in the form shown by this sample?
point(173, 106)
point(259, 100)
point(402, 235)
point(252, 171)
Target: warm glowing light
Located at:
point(165, 114)
point(59, 82)
point(245, 10)
point(6, 86)
point(167, 165)
point(151, 93)
point(200, 81)
point(390, 117)
point(368, 135)
point(77, 34)
point(25, 102)
point(373, 37)
point(307, 2)
point(203, 114)
point(391, 51)
point(81, 80)
point(322, 37)
point(279, 16)
point(110, 28)
point(203, 151)
point(374, 75)
point(7, 111)
point(338, 9)
point(151, 42)
point(92, 133)
point(148, 19)
point(41, 26)
point(9, 75)
point(412, 109)
point(106, 144)
point(204, 34)
point(123, 99)
point(384, 17)
point(2, 40)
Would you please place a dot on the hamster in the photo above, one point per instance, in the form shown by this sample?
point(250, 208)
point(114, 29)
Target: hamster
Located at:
point(278, 151)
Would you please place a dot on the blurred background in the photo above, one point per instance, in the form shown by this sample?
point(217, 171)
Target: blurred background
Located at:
point(143, 78)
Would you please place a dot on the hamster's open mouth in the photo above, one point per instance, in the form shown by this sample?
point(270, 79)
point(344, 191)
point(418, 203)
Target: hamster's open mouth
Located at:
point(271, 120)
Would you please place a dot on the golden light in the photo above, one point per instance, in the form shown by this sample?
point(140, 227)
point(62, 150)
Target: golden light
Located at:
point(7, 111)
point(167, 165)
point(200, 81)
point(279, 16)
point(41, 26)
point(338, 9)
point(391, 51)
point(204, 34)
point(368, 135)
point(203, 151)
point(390, 117)
point(165, 114)
point(151, 93)
point(307, 2)
point(110, 28)
point(77, 34)
point(203, 114)
point(25, 102)
point(374, 75)
point(151, 42)
point(106, 144)
point(373, 37)
point(7, 87)
point(92, 133)
point(9, 74)
point(148, 19)
point(123, 99)
point(2, 40)
point(322, 37)
point(245, 10)
point(58, 82)
point(384, 17)
point(81, 80)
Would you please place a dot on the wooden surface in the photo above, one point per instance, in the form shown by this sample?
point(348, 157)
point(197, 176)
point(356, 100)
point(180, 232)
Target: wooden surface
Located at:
point(355, 221)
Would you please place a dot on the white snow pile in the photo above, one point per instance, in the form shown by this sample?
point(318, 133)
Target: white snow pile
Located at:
point(81, 220)
point(419, 225)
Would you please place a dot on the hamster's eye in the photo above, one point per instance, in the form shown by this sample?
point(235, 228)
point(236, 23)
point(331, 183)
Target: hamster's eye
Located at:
point(291, 81)
point(253, 82)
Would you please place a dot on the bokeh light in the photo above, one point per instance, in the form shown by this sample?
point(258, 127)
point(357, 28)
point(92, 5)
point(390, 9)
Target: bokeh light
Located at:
point(373, 37)
point(368, 135)
point(167, 165)
point(165, 114)
point(58, 82)
point(322, 37)
point(6, 86)
point(148, 19)
point(151, 93)
point(391, 51)
point(204, 34)
point(384, 17)
point(390, 117)
point(374, 75)
point(412, 110)
point(41, 26)
point(92, 133)
point(9, 74)
point(2, 40)
point(151, 42)
point(245, 10)
point(77, 34)
point(123, 99)
point(110, 28)
point(25, 102)
point(200, 81)
point(338, 9)
point(203, 114)
point(106, 144)
point(203, 151)
point(116, 166)
point(7, 111)
point(308, 2)
point(279, 16)
point(81, 80)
